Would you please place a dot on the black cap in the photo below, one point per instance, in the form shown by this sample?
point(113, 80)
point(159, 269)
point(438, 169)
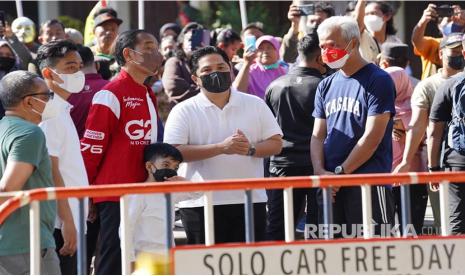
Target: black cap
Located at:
point(394, 50)
point(106, 17)
point(451, 41)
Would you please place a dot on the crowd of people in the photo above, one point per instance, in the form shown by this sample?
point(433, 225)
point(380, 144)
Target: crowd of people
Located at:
point(333, 96)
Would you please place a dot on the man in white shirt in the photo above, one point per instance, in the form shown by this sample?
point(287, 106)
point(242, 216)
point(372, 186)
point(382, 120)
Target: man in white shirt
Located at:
point(60, 64)
point(222, 134)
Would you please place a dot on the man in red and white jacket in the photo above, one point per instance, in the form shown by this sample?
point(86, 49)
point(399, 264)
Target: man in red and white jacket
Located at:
point(122, 121)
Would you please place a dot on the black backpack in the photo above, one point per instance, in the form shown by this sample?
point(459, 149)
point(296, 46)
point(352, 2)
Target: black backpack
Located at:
point(456, 132)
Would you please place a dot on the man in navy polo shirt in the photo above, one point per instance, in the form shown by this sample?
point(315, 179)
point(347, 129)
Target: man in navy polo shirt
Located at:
point(353, 123)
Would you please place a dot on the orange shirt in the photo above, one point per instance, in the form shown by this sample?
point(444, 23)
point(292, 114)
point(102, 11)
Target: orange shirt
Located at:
point(430, 61)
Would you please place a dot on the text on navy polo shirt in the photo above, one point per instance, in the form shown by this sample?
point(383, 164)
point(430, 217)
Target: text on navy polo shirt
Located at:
point(345, 103)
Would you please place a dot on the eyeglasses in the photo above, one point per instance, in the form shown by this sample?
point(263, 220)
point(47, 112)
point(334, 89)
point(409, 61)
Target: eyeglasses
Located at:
point(49, 95)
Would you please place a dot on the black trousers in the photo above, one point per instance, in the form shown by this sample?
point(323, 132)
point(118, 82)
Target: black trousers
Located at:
point(110, 251)
point(457, 205)
point(68, 264)
point(302, 198)
point(93, 229)
point(418, 202)
point(347, 209)
point(229, 223)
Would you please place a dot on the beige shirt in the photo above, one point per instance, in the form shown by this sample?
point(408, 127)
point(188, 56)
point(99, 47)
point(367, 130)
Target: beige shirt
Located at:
point(369, 47)
point(424, 92)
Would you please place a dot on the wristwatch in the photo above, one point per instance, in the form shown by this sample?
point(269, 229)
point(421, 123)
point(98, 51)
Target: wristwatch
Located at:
point(251, 151)
point(339, 170)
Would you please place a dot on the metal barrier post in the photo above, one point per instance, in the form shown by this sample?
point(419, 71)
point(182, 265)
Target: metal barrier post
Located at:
point(141, 14)
point(444, 207)
point(289, 214)
point(249, 217)
point(82, 250)
point(328, 212)
point(208, 218)
point(367, 211)
point(169, 222)
point(34, 236)
point(125, 236)
point(406, 208)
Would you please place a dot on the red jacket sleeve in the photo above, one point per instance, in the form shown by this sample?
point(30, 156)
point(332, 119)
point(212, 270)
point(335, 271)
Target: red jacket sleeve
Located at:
point(103, 118)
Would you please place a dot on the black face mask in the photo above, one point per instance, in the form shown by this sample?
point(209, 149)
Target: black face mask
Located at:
point(456, 62)
point(216, 82)
point(6, 63)
point(160, 175)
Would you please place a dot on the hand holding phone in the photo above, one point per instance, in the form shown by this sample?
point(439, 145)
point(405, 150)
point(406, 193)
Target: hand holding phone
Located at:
point(250, 41)
point(196, 39)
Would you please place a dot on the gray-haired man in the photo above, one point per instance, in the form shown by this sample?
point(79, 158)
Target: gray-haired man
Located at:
point(353, 122)
point(24, 165)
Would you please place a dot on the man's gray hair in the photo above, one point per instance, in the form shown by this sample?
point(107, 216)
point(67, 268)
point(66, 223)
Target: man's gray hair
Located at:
point(15, 85)
point(347, 25)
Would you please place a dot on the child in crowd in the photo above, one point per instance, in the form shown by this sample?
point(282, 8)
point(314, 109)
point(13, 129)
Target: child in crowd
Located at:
point(146, 214)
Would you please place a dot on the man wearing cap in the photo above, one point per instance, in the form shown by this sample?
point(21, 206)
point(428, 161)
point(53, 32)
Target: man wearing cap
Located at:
point(422, 98)
point(105, 30)
point(395, 54)
point(426, 46)
point(255, 76)
point(445, 118)
point(106, 25)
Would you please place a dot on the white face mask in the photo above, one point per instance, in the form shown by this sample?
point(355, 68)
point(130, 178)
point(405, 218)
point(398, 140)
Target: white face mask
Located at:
point(373, 23)
point(52, 108)
point(338, 63)
point(73, 83)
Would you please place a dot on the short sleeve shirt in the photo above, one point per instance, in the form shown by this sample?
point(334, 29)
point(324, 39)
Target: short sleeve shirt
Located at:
point(429, 56)
point(423, 94)
point(441, 111)
point(197, 121)
point(345, 103)
point(22, 141)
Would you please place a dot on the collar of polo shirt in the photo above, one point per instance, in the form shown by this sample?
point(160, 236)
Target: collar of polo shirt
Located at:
point(234, 100)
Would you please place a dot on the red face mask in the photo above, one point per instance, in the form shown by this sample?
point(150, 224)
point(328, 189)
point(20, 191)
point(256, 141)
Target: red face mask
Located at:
point(334, 57)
